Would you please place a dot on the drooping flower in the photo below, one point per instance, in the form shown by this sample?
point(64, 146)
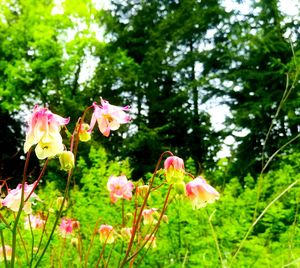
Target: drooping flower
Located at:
point(119, 187)
point(35, 221)
point(201, 193)
point(149, 214)
point(8, 252)
point(44, 130)
point(109, 117)
point(67, 161)
point(151, 241)
point(13, 198)
point(67, 226)
point(126, 233)
point(107, 234)
point(174, 167)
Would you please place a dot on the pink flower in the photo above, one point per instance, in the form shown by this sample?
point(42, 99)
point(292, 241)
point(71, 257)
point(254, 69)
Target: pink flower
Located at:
point(151, 241)
point(126, 233)
point(148, 216)
point(107, 235)
point(67, 226)
point(119, 187)
point(201, 193)
point(8, 252)
point(36, 222)
point(174, 167)
point(108, 117)
point(43, 130)
point(13, 198)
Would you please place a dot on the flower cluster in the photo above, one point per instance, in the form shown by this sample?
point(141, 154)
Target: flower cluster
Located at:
point(198, 190)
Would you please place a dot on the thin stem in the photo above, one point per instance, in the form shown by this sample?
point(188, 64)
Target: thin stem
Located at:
point(3, 248)
point(260, 216)
point(215, 237)
point(24, 246)
point(136, 224)
point(32, 240)
point(91, 243)
point(56, 220)
point(14, 230)
point(154, 229)
point(38, 179)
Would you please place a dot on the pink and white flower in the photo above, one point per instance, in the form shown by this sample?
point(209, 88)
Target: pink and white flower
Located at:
point(67, 226)
point(174, 167)
point(126, 233)
point(43, 130)
point(201, 193)
point(119, 187)
point(35, 221)
point(8, 253)
point(107, 234)
point(109, 117)
point(151, 241)
point(149, 214)
point(13, 198)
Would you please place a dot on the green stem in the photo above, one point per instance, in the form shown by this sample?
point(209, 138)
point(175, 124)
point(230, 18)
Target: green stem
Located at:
point(137, 223)
point(56, 220)
point(14, 230)
point(3, 248)
point(259, 217)
point(154, 231)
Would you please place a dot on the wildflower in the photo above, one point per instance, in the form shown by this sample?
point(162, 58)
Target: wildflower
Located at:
point(67, 226)
point(126, 233)
point(44, 128)
point(35, 221)
point(142, 190)
point(119, 187)
point(108, 117)
point(8, 252)
point(201, 193)
point(107, 235)
point(151, 241)
point(13, 198)
point(66, 159)
point(148, 216)
point(84, 133)
point(174, 167)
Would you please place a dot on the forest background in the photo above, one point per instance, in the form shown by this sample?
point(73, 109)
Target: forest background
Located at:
point(169, 60)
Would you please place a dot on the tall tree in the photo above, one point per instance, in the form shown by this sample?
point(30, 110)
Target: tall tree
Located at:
point(262, 70)
point(162, 41)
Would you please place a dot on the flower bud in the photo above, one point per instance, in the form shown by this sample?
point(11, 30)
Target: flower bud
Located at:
point(59, 201)
point(142, 190)
point(74, 242)
point(66, 159)
point(126, 233)
point(174, 167)
point(165, 218)
point(84, 134)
